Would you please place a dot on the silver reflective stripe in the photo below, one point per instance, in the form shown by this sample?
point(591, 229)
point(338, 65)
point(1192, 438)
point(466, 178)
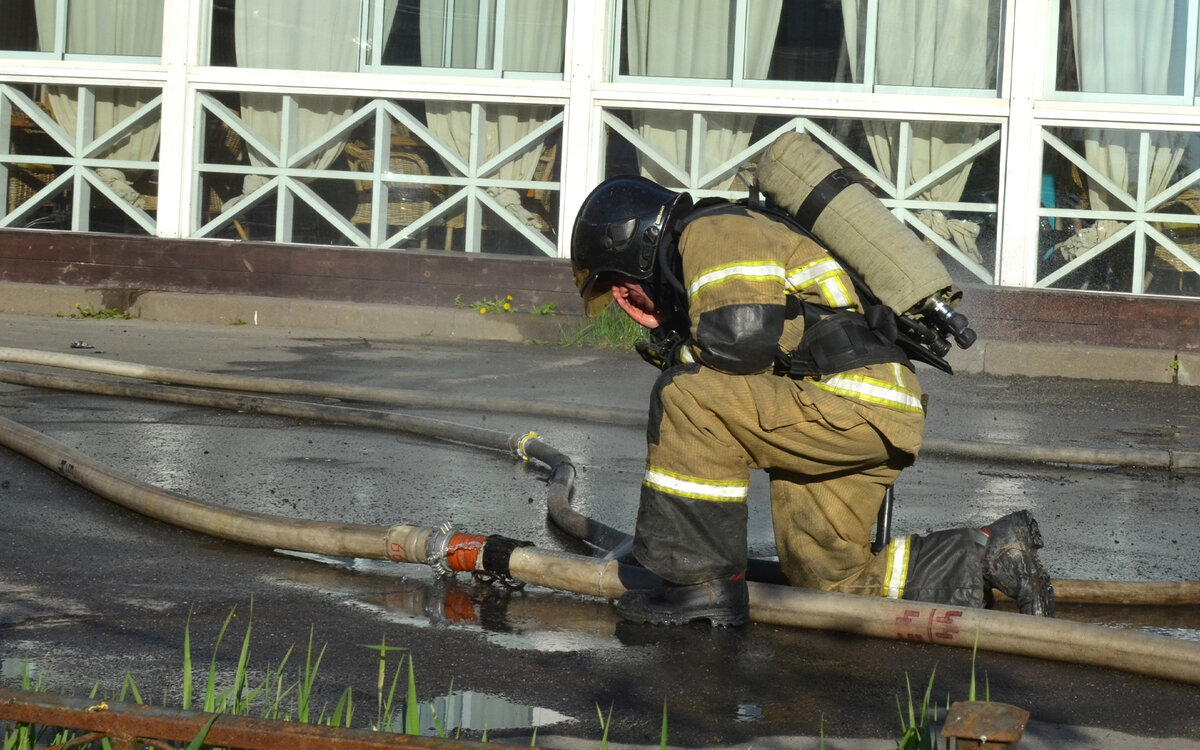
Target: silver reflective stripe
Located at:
point(749, 271)
point(808, 274)
point(872, 390)
point(697, 489)
point(831, 278)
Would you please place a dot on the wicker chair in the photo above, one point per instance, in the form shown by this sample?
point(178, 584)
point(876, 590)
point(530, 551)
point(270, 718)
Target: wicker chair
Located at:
point(406, 202)
point(25, 180)
point(1187, 236)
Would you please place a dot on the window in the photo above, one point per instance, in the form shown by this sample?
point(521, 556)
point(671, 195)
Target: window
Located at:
point(467, 37)
point(1119, 210)
point(385, 173)
point(80, 157)
point(84, 29)
point(948, 47)
point(1125, 50)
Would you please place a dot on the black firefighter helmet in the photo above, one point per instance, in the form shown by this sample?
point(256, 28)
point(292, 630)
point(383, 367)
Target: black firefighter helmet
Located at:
point(618, 231)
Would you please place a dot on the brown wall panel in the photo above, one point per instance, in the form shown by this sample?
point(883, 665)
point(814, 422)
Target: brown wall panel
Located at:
point(129, 265)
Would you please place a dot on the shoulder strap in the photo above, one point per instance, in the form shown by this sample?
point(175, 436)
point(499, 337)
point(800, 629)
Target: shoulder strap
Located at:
point(880, 315)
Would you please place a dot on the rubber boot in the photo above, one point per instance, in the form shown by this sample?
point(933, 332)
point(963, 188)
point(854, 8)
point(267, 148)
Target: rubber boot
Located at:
point(1011, 565)
point(723, 602)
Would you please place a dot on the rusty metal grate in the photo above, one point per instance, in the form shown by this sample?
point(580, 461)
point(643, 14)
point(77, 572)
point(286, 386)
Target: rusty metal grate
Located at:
point(131, 727)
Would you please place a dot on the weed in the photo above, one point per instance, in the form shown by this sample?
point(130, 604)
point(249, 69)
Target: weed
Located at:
point(611, 329)
point(662, 743)
point(917, 721)
point(505, 304)
point(917, 730)
point(605, 725)
point(484, 306)
point(88, 311)
point(237, 322)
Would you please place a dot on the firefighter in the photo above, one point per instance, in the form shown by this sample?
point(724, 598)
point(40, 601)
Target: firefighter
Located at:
point(768, 362)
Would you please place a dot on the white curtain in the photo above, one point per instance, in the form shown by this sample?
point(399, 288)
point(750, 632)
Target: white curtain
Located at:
point(533, 41)
point(1124, 47)
point(692, 39)
point(299, 35)
point(109, 27)
point(929, 43)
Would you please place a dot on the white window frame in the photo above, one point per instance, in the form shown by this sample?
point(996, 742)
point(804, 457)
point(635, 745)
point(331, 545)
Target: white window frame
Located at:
point(738, 80)
point(1191, 63)
point(60, 44)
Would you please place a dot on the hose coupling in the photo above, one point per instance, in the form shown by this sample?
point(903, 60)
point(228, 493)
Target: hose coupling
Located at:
point(522, 442)
point(448, 551)
point(437, 549)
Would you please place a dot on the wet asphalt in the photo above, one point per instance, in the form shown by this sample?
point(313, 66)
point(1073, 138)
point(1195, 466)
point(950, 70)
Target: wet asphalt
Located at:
point(90, 592)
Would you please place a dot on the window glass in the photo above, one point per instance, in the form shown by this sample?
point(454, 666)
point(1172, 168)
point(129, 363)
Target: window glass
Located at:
point(946, 44)
point(936, 43)
point(19, 30)
point(81, 158)
point(468, 35)
point(1134, 47)
point(391, 173)
point(297, 35)
point(119, 28)
point(810, 44)
point(1120, 211)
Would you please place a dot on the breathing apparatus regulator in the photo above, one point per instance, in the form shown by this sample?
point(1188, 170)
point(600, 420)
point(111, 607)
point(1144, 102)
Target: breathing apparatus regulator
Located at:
point(889, 264)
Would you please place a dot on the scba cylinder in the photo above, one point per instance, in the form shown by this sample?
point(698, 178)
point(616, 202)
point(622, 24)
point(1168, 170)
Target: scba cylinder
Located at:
point(802, 178)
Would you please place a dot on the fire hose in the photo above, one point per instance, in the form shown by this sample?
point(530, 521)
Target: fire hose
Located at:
point(448, 550)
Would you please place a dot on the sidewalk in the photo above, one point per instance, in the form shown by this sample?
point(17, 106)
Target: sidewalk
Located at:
point(1001, 358)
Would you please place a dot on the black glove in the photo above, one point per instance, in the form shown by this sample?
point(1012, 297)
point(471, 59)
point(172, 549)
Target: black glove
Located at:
point(663, 350)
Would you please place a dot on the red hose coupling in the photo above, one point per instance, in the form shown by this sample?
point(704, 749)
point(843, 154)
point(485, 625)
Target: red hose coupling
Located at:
point(448, 551)
point(462, 552)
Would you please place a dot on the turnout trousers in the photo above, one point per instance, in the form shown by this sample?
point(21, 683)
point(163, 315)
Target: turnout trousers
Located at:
point(830, 460)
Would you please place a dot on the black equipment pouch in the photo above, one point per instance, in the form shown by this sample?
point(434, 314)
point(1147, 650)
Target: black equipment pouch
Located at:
point(844, 340)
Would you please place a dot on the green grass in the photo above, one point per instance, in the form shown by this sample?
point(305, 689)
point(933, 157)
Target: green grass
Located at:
point(611, 329)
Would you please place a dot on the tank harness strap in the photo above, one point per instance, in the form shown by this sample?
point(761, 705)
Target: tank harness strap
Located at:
point(821, 195)
point(837, 340)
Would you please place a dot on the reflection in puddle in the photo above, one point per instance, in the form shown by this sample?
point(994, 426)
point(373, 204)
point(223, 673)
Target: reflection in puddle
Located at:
point(1181, 622)
point(1183, 634)
point(469, 711)
point(747, 713)
point(15, 671)
point(539, 620)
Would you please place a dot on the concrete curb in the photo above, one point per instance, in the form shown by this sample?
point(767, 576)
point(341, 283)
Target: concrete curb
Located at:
point(993, 357)
point(346, 318)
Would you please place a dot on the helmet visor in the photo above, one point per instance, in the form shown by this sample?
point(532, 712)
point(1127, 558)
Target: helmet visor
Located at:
point(597, 296)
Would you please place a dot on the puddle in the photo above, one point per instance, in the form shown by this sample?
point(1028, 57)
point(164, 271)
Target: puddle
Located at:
point(1183, 634)
point(478, 712)
point(747, 712)
point(535, 620)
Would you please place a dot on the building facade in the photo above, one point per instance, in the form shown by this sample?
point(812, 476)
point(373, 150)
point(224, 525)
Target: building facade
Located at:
point(1036, 143)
